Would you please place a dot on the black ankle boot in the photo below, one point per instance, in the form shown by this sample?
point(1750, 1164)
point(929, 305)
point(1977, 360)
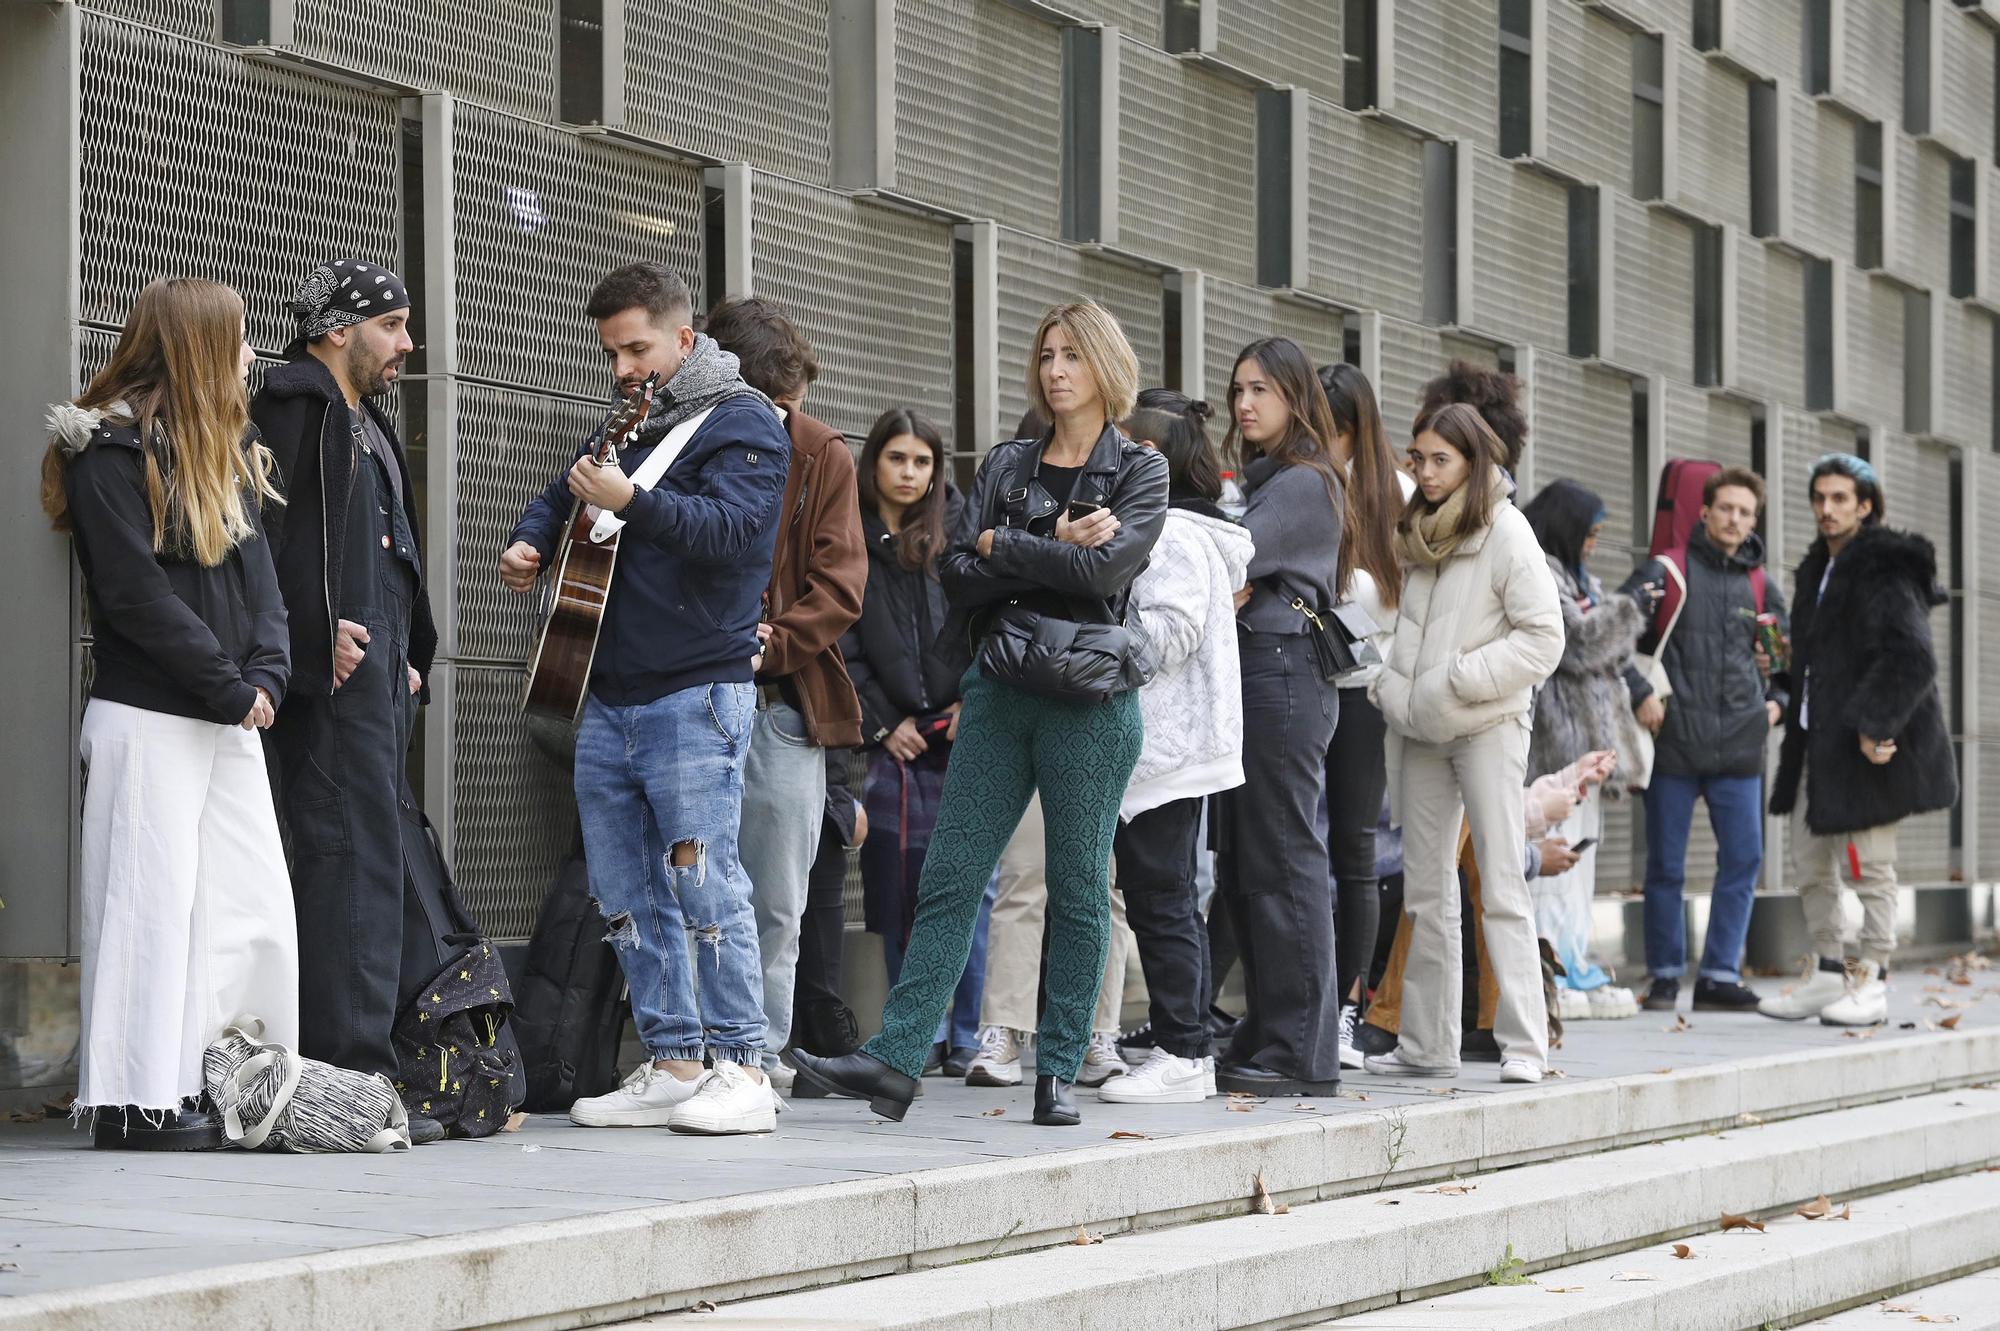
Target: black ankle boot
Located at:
point(1054, 1107)
point(857, 1076)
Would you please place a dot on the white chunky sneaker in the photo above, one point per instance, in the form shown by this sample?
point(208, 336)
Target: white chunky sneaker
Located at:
point(647, 1099)
point(1101, 1061)
point(1350, 1014)
point(727, 1100)
point(1519, 1069)
point(781, 1075)
point(1611, 1002)
point(1866, 1002)
point(1163, 1079)
point(999, 1060)
point(1208, 1073)
point(1392, 1064)
point(1818, 989)
point(1573, 1005)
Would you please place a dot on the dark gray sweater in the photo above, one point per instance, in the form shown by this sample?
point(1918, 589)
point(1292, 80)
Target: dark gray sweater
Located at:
point(1297, 530)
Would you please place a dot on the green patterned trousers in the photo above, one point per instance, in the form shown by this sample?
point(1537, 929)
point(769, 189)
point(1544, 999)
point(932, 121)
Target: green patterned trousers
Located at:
point(1010, 745)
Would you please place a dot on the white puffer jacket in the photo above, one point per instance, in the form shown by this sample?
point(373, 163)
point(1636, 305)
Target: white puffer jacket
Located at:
point(1474, 636)
point(1193, 708)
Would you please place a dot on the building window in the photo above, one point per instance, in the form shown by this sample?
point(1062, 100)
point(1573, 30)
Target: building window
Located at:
point(1917, 66)
point(1180, 25)
point(1584, 270)
point(1708, 305)
point(1081, 210)
point(1649, 116)
point(1820, 333)
point(580, 62)
point(1817, 57)
point(1517, 83)
point(1440, 232)
point(1917, 362)
point(1707, 25)
point(1868, 195)
point(1766, 167)
point(1357, 54)
point(1964, 227)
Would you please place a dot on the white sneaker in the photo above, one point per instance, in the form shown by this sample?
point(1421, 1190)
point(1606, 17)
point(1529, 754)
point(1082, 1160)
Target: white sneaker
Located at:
point(1866, 1002)
point(781, 1075)
point(1519, 1069)
point(728, 1100)
point(1817, 990)
point(1611, 1002)
point(1392, 1064)
point(647, 1099)
point(1163, 1079)
point(1208, 1075)
point(1573, 1005)
point(1350, 1015)
point(1101, 1061)
point(999, 1060)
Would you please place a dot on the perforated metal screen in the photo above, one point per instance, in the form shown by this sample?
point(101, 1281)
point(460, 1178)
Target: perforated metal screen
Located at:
point(540, 217)
point(190, 18)
point(1714, 141)
point(1653, 321)
point(1770, 320)
point(1520, 254)
point(513, 814)
point(1283, 42)
point(1366, 241)
point(1239, 315)
point(1035, 274)
point(499, 52)
point(1186, 165)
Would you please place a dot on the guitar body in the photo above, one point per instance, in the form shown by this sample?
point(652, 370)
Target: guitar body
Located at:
point(559, 671)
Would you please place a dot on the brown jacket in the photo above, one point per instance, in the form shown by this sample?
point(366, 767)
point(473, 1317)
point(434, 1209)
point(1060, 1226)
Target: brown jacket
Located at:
point(818, 573)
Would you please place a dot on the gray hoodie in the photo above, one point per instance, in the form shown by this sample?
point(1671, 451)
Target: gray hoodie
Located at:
point(1297, 530)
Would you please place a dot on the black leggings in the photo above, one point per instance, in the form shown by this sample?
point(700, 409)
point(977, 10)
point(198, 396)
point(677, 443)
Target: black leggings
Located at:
point(1355, 781)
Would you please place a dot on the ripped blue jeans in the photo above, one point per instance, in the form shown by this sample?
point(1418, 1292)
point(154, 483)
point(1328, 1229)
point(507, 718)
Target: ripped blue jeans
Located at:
point(659, 788)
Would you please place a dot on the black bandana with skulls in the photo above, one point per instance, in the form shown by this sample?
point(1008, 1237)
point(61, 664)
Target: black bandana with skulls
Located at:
point(343, 293)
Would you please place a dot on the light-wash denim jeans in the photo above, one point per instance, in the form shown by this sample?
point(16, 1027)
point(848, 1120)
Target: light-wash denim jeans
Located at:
point(784, 799)
point(649, 778)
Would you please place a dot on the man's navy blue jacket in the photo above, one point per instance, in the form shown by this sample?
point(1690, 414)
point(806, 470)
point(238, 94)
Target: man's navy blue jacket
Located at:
point(693, 559)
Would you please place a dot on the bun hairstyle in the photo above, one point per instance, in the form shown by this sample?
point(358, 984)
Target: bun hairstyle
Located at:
point(1176, 425)
point(1493, 394)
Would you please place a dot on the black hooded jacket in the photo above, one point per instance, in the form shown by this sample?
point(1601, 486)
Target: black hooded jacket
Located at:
point(1873, 672)
point(306, 425)
point(892, 650)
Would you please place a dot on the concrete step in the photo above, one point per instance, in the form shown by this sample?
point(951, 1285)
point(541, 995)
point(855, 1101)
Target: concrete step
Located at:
point(598, 1269)
point(1341, 1256)
point(1795, 1269)
point(1970, 1303)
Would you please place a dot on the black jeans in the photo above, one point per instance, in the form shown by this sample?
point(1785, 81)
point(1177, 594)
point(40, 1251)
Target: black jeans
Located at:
point(1356, 778)
point(1155, 852)
point(1272, 873)
point(824, 925)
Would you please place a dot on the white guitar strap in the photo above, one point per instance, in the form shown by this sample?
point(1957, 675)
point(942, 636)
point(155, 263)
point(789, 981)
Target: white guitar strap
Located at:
point(650, 471)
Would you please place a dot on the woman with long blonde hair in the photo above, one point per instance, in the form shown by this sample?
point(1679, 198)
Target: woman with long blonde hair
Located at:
point(187, 911)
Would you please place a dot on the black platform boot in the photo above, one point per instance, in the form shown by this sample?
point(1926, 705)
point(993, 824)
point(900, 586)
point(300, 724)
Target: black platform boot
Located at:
point(1054, 1106)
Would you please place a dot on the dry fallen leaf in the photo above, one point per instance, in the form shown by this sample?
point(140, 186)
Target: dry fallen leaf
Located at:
point(1748, 1119)
point(1084, 1238)
point(1635, 1275)
point(1262, 1203)
point(1301, 1109)
point(1680, 1024)
point(1818, 1209)
point(1354, 1095)
point(1936, 1317)
point(1897, 1308)
point(993, 1113)
point(1663, 1072)
point(514, 1121)
point(23, 1116)
point(1389, 1201)
point(1122, 1136)
point(1452, 1189)
point(1859, 1035)
point(1241, 1106)
point(1730, 1222)
point(1846, 1212)
point(1682, 1251)
point(1950, 1023)
point(1564, 1289)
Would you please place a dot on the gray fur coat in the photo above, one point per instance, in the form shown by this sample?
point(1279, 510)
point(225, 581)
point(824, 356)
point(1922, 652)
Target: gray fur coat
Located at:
point(1577, 710)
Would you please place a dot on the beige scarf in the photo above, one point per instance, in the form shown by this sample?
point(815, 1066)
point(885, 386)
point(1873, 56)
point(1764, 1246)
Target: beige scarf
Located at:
point(1435, 536)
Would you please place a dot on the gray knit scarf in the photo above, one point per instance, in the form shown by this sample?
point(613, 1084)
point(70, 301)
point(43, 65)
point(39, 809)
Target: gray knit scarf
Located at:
point(708, 376)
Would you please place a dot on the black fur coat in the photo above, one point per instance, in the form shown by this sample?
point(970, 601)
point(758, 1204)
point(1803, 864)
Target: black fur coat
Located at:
point(1577, 708)
point(1873, 672)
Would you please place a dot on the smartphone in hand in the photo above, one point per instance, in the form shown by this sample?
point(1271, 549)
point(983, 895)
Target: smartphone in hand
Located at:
point(1080, 509)
point(1583, 845)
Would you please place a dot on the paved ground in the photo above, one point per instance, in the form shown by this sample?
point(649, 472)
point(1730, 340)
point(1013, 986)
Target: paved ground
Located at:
point(71, 1216)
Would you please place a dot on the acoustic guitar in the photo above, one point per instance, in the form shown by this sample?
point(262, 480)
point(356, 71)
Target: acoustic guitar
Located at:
point(559, 671)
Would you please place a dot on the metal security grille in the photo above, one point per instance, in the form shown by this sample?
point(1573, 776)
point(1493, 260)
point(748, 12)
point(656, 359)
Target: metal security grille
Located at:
point(1655, 276)
point(869, 287)
point(1770, 312)
point(735, 82)
point(1519, 253)
point(1186, 165)
point(511, 445)
point(500, 52)
point(190, 18)
point(1714, 142)
point(1035, 274)
point(513, 816)
point(199, 163)
point(1590, 116)
point(979, 111)
point(1283, 42)
point(1366, 242)
point(1238, 315)
point(540, 217)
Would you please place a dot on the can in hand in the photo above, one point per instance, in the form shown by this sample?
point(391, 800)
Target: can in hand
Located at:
point(1773, 642)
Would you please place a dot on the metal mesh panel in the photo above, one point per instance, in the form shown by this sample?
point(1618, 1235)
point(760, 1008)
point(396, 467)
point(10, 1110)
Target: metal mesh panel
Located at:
point(1872, 75)
point(1238, 315)
point(1283, 41)
point(1968, 378)
point(1770, 35)
point(1448, 68)
point(979, 111)
point(1923, 213)
point(1365, 242)
point(1919, 479)
point(1770, 320)
point(869, 287)
point(1822, 179)
point(540, 217)
point(1186, 164)
point(1035, 274)
point(1590, 116)
point(1653, 320)
point(1874, 384)
point(501, 52)
point(1806, 437)
point(1520, 254)
point(1963, 111)
point(1669, 16)
point(1134, 18)
point(1411, 357)
point(1707, 425)
point(1583, 432)
point(513, 814)
point(1714, 142)
point(511, 445)
point(190, 18)
point(737, 82)
point(199, 163)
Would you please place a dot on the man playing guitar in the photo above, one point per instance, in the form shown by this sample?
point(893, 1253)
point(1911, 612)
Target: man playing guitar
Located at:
point(666, 725)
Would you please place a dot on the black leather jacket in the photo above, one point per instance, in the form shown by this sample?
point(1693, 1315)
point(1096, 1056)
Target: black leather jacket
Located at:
point(1029, 565)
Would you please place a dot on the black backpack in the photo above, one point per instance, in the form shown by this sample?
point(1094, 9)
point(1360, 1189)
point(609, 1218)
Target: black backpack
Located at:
point(572, 1008)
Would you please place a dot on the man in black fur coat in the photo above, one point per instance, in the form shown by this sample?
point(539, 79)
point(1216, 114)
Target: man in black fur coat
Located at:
point(1865, 729)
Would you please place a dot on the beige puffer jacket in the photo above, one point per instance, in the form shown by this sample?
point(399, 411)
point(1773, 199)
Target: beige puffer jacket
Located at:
point(1474, 636)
